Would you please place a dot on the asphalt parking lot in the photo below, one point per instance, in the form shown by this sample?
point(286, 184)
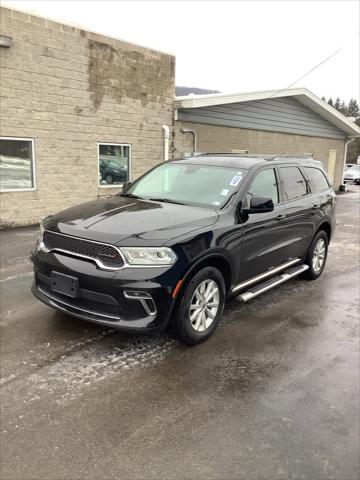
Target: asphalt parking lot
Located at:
point(274, 394)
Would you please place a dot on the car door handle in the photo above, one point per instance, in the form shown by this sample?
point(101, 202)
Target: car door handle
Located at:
point(280, 217)
point(316, 206)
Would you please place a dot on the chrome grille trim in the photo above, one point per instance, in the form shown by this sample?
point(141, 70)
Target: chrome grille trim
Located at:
point(94, 258)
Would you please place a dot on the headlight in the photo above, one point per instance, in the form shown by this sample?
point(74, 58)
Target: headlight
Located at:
point(149, 256)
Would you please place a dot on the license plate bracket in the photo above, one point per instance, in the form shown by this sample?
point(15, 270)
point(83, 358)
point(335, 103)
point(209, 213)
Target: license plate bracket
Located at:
point(65, 284)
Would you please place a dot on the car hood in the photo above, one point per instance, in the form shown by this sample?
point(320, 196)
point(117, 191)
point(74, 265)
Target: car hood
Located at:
point(129, 221)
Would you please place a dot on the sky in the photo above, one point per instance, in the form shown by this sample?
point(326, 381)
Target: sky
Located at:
point(232, 46)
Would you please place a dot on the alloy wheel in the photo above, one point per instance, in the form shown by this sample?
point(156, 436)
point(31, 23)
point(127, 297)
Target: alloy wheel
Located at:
point(204, 305)
point(318, 255)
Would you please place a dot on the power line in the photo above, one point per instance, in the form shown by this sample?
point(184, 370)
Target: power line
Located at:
point(308, 73)
point(300, 78)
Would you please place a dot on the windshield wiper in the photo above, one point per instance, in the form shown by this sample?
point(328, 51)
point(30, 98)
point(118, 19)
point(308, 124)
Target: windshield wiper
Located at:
point(129, 195)
point(166, 200)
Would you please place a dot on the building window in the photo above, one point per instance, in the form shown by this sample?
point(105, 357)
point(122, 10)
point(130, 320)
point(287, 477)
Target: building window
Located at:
point(17, 164)
point(114, 161)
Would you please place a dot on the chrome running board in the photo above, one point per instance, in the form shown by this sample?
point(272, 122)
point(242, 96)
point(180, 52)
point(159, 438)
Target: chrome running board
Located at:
point(273, 282)
point(266, 274)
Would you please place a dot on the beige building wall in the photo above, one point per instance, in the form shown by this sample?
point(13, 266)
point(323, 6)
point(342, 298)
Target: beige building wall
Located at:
point(69, 89)
point(212, 138)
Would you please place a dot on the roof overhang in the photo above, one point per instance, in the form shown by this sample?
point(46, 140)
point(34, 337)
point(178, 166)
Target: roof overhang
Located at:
point(303, 95)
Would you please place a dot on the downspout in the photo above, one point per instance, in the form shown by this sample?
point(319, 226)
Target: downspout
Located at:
point(342, 186)
point(188, 130)
point(166, 142)
point(346, 149)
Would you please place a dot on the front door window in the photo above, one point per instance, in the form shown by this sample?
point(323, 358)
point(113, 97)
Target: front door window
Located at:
point(264, 185)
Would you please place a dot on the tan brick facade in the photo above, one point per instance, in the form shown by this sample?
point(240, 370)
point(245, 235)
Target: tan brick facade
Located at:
point(69, 89)
point(211, 138)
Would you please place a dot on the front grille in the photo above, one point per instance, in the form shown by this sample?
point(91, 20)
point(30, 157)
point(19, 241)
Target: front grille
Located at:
point(110, 311)
point(107, 255)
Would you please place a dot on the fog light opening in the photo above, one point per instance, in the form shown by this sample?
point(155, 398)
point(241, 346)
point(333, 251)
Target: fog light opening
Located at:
point(144, 298)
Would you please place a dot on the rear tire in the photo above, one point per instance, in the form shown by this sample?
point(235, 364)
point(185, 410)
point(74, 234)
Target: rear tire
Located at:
point(317, 255)
point(200, 308)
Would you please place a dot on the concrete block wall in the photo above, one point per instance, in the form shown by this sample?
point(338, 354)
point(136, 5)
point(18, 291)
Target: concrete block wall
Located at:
point(69, 89)
point(217, 139)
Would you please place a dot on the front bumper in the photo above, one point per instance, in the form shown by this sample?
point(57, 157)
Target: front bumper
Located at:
point(130, 299)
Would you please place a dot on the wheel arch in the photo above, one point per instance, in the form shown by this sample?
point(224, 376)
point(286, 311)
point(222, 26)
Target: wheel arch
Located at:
point(326, 227)
point(217, 260)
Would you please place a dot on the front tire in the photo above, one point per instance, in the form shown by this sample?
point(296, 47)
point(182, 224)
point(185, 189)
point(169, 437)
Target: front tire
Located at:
point(317, 255)
point(201, 307)
point(109, 179)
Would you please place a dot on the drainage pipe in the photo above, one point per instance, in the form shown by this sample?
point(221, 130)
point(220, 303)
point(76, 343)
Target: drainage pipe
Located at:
point(188, 130)
point(166, 141)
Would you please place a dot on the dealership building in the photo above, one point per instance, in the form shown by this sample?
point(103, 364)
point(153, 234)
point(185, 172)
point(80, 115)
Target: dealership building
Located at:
point(81, 114)
point(292, 121)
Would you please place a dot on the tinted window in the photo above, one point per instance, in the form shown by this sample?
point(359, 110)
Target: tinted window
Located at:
point(293, 182)
point(264, 185)
point(318, 179)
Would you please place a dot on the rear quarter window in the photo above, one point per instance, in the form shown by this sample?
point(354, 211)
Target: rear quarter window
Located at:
point(317, 179)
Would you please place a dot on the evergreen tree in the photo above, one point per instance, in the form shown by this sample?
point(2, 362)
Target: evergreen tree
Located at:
point(353, 108)
point(350, 110)
point(344, 109)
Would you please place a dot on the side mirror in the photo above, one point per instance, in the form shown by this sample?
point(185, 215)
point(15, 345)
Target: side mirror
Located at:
point(259, 205)
point(126, 184)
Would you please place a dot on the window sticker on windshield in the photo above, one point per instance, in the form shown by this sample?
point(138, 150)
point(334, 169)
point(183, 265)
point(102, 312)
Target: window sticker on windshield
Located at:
point(224, 192)
point(216, 203)
point(235, 181)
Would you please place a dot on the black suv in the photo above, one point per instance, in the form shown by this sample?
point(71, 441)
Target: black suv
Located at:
point(175, 244)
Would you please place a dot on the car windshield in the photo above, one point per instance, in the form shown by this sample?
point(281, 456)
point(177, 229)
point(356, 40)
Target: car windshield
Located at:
point(190, 184)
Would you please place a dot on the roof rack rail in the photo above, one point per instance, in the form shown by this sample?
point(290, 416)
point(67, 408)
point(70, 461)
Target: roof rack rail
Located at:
point(295, 157)
point(234, 154)
point(257, 155)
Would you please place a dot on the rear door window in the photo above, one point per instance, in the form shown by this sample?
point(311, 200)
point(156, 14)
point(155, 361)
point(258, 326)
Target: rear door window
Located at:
point(317, 179)
point(294, 184)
